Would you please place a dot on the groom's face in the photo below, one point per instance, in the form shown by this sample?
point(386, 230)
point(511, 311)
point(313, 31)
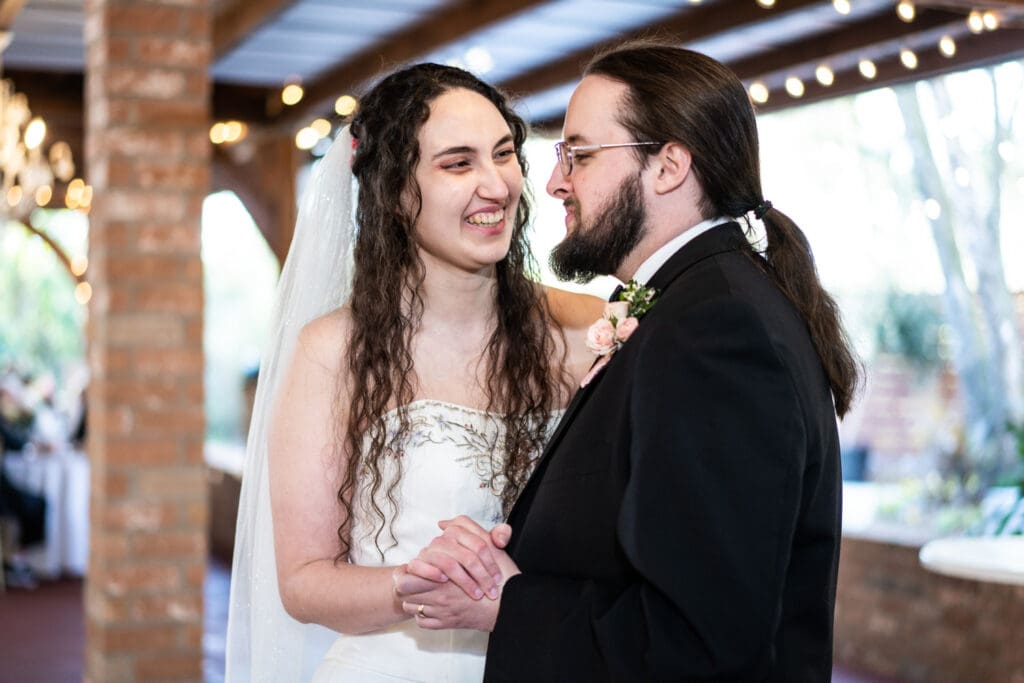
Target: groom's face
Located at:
point(604, 193)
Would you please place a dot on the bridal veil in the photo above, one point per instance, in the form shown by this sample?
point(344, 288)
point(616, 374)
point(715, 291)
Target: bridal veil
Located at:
point(263, 642)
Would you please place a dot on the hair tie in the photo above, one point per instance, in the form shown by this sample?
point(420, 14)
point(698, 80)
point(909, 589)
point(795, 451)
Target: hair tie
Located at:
point(761, 209)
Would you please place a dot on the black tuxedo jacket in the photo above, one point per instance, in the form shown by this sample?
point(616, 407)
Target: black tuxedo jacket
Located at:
point(683, 523)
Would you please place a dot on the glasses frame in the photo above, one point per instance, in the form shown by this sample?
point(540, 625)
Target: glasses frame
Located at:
point(565, 152)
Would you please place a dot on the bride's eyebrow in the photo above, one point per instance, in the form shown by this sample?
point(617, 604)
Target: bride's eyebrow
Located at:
point(458, 149)
point(466, 149)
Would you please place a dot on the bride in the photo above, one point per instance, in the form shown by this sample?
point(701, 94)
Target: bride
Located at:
point(422, 389)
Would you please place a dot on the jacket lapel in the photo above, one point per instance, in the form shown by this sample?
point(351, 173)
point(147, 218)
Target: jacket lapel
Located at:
point(718, 240)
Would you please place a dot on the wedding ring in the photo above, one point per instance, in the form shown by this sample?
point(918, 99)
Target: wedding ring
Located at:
point(419, 612)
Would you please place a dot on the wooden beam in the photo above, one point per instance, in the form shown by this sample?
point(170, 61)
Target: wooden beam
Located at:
point(8, 10)
point(242, 102)
point(965, 7)
point(858, 36)
point(972, 51)
point(241, 20)
point(687, 26)
point(440, 28)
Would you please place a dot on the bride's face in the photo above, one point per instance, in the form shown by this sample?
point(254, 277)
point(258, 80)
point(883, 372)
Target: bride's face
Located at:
point(470, 182)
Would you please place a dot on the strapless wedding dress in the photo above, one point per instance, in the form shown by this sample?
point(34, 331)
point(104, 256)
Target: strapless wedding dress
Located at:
point(447, 460)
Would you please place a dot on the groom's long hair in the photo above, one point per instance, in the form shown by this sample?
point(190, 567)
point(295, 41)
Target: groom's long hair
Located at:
point(524, 376)
point(675, 94)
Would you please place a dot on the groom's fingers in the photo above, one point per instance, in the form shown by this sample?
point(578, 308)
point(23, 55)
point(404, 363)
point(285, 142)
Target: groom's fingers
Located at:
point(426, 570)
point(461, 566)
point(464, 522)
point(471, 535)
point(482, 565)
point(501, 535)
point(410, 583)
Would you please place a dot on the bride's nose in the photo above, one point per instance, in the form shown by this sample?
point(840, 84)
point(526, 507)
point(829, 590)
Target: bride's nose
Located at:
point(493, 185)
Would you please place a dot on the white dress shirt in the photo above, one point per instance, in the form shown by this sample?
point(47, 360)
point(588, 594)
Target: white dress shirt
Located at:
point(656, 260)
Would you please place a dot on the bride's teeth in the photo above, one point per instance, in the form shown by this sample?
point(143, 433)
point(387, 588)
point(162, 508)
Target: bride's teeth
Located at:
point(487, 218)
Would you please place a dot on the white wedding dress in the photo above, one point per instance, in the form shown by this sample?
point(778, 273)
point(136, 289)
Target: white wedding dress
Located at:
point(446, 471)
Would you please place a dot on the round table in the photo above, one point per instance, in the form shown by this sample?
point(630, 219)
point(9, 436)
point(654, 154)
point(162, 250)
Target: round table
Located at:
point(997, 559)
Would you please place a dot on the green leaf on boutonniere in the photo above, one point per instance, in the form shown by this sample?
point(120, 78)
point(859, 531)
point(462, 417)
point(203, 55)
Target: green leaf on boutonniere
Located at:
point(639, 297)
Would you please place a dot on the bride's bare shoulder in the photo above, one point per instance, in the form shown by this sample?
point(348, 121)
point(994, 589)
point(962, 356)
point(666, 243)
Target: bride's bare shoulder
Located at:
point(325, 339)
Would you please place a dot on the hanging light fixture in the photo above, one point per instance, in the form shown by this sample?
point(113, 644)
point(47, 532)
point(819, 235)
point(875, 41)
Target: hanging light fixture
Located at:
point(27, 169)
point(23, 162)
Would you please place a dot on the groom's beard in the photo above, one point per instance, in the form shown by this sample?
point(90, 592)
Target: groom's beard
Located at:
point(600, 247)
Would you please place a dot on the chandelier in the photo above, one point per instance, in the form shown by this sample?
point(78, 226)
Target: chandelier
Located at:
point(27, 172)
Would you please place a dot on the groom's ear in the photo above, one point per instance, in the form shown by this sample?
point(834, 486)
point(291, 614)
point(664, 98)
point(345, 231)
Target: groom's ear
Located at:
point(671, 167)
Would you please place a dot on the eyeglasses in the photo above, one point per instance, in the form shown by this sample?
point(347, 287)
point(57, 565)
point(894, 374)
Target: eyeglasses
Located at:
point(566, 152)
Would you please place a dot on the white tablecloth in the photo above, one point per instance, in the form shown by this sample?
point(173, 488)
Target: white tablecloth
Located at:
point(62, 478)
point(998, 559)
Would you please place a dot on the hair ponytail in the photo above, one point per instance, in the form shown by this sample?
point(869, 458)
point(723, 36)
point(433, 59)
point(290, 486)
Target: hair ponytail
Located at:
point(791, 266)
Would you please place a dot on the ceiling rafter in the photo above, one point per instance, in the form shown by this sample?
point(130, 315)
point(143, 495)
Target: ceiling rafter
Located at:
point(440, 28)
point(858, 36)
point(8, 10)
point(972, 51)
point(689, 25)
point(241, 20)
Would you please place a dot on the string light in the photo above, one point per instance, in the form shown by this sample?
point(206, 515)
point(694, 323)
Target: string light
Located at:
point(758, 92)
point(947, 46)
point(975, 23)
point(322, 127)
point(345, 105)
point(867, 69)
point(909, 59)
point(824, 75)
point(795, 87)
point(307, 138)
point(292, 94)
point(905, 11)
point(767, 4)
point(990, 21)
point(227, 132)
point(842, 6)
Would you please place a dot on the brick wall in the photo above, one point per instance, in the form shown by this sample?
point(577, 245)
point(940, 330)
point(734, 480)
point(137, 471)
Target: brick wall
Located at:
point(147, 150)
point(895, 619)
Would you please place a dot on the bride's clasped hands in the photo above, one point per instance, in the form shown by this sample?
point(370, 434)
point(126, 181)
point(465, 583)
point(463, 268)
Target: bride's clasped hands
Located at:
point(456, 580)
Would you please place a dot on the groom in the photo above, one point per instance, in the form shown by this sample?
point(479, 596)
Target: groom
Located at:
point(683, 522)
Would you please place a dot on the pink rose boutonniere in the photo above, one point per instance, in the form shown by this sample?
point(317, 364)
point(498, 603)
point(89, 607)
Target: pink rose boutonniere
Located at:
point(618, 324)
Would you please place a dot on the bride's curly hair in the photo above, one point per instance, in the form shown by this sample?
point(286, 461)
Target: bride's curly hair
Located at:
point(523, 385)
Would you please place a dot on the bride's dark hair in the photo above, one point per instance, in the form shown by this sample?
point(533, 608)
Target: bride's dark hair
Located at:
point(387, 308)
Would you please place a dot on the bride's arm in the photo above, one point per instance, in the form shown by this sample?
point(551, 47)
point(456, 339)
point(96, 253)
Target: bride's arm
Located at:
point(305, 467)
point(574, 313)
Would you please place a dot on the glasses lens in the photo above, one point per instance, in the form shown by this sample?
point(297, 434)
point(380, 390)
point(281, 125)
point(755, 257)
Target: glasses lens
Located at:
point(564, 157)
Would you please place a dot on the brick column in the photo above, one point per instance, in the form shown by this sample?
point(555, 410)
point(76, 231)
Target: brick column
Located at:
point(147, 113)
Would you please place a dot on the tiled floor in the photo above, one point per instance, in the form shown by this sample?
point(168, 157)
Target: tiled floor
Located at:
point(41, 633)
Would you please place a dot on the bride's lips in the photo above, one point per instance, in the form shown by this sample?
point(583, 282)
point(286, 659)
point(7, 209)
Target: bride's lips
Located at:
point(489, 220)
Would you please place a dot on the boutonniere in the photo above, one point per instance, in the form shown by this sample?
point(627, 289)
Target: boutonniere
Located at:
point(618, 324)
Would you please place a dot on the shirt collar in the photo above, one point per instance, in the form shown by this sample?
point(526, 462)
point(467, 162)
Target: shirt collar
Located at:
point(656, 260)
